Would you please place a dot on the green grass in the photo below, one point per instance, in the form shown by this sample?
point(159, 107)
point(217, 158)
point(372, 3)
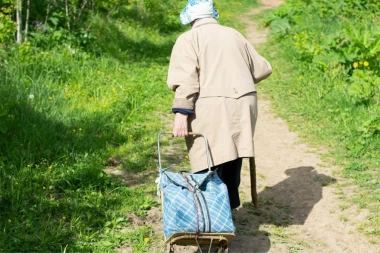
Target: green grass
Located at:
point(64, 112)
point(84, 110)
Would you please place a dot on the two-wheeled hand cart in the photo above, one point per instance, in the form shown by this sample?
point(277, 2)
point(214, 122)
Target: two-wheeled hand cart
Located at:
point(211, 240)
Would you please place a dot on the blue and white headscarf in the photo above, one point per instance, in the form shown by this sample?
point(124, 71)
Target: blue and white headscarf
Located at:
point(198, 9)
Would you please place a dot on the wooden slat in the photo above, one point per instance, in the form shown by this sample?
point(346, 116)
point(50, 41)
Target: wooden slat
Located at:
point(187, 238)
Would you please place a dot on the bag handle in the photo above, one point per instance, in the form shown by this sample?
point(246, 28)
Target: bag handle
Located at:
point(190, 133)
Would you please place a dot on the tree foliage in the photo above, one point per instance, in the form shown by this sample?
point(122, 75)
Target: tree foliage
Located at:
point(72, 21)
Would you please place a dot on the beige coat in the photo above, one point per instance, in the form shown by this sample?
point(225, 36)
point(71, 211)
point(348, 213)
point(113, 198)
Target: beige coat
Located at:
point(213, 71)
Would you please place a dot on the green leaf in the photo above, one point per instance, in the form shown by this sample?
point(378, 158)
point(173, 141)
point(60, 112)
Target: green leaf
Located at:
point(281, 25)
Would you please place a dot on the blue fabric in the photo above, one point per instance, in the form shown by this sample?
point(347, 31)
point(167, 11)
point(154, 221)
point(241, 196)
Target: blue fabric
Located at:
point(181, 209)
point(196, 9)
point(183, 111)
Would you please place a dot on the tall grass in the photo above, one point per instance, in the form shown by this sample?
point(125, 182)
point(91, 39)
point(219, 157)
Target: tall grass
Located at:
point(66, 114)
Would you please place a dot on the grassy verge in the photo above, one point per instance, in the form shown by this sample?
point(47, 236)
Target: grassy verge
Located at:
point(66, 114)
point(326, 85)
point(63, 121)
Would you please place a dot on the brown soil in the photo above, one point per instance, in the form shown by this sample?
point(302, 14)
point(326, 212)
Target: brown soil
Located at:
point(300, 209)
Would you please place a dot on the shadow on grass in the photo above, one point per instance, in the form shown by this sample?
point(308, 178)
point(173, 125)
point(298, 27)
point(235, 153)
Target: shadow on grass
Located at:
point(286, 203)
point(32, 136)
point(114, 42)
point(159, 19)
point(53, 191)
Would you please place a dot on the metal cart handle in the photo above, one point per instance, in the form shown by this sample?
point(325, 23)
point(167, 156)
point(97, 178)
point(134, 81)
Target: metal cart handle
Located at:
point(190, 133)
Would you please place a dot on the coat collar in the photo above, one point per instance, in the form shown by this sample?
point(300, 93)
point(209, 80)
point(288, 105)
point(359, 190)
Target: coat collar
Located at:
point(204, 21)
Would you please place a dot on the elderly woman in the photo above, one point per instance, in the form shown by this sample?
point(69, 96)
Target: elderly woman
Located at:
point(213, 71)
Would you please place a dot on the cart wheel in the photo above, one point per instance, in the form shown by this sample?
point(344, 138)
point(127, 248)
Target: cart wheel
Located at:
point(222, 249)
point(169, 248)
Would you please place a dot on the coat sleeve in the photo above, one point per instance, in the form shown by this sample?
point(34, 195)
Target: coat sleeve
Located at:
point(183, 74)
point(260, 67)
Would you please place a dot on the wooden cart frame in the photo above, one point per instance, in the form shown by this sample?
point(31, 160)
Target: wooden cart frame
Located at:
point(219, 240)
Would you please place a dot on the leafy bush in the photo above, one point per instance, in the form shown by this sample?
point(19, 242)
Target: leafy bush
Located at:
point(364, 86)
point(332, 41)
point(7, 26)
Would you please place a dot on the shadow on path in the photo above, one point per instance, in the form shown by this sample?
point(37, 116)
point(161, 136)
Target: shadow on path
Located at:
point(287, 203)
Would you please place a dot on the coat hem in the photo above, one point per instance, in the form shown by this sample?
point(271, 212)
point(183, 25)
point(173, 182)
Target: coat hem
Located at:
point(199, 166)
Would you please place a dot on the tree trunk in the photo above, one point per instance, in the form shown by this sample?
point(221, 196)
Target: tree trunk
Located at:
point(47, 15)
point(81, 9)
point(67, 14)
point(27, 19)
point(19, 20)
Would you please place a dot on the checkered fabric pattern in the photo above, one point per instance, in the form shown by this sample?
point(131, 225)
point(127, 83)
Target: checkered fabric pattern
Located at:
point(180, 210)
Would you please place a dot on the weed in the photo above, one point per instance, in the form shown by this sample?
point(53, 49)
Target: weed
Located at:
point(293, 249)
point(343, 218)
point(344, 207)
point(303, 243)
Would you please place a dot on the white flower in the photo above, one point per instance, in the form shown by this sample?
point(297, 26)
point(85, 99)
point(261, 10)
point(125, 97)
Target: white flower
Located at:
point(31, 96)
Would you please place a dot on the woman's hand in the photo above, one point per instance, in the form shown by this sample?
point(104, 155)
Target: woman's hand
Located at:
point(180, 125)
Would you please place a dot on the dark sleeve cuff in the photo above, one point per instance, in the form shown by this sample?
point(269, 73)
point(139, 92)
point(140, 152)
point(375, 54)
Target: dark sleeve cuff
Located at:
point(183, 111)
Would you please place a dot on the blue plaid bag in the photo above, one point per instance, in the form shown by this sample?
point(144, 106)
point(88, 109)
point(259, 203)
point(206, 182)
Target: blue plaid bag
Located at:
point(195, 203)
